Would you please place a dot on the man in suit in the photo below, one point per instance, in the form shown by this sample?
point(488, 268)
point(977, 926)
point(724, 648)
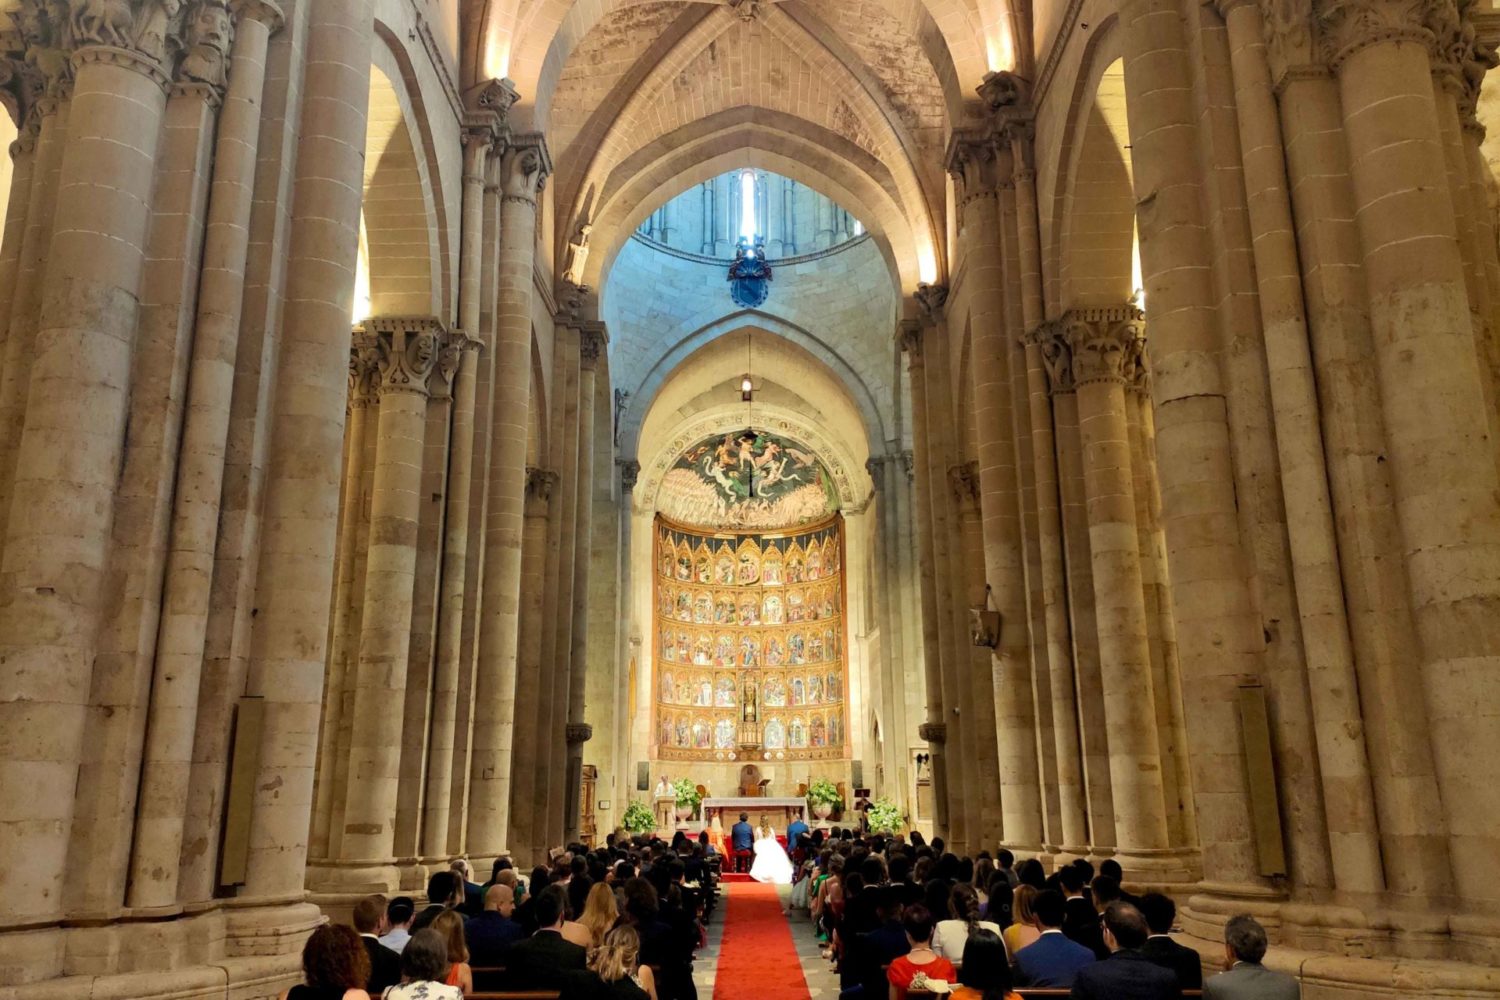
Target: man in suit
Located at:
point(445, 891)
point(742, 841)
point(1160, 912)
point(1244, 977)
point(473, 900)
point(1126, 974)
point(1052, 960)
point(1082, 921)
point(385, 964)
point(492, 932)
point(795, 829)
point(546, 961)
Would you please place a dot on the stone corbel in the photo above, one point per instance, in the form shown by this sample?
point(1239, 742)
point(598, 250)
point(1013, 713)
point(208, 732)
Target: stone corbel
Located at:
point(208, 34)
point(1106, 344)
point(1004, 90)
point(909, 465)
point(932, 298)
point(451, 348)
point(963, 479)
point(909, 337)
point(578, 732)
point(410, 349)
point(933, 732)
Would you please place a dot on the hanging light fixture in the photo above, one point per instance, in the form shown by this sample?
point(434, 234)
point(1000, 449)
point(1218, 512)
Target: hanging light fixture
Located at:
point(747, 386)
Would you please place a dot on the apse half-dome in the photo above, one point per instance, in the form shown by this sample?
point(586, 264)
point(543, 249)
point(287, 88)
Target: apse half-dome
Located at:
point(750, 479)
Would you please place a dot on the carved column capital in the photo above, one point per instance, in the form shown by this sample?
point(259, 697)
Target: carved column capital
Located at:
point(1057, 356)
point(267, 12)
point(364, 369)
point(451, 348)
point(910, 340)
point(578, 732)
point(875, 468)
point(149, 36)
point(539, 486)
point(1348, 26)
point(592, 341)
point(630, 473)
point(971, 160)
point(1105, 344)
point(909, 464)
point(410, 346)
point(933, 732)
point(524, 168)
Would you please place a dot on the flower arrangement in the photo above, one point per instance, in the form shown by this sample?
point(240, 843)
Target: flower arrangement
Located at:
point(824, 792)
point(885, 816)
point(687, 794)
point(638, 818)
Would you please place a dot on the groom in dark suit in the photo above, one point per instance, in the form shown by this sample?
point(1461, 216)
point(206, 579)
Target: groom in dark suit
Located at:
point(742, 840)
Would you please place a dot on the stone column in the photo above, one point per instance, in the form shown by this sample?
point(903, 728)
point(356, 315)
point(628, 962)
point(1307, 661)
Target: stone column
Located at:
point(1093, 738)
point(1445, 493)
point(23, 163)
point(302, 491)
point(976, 689)
point(972, 161)
point(591, 346)
point(1334, 687)
point(1104, 345)
point(527, 827)
point(524, 167)
point(961, 736)
point(407, 351)
point(186, 592)
point(437, 802)
point(68, 461)
point(1053, 594)
point(933, 729)
point(1219, 632)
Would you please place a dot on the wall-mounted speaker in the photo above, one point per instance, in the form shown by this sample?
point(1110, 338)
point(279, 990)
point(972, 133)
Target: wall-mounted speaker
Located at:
point(857, 773)
point(643, 776)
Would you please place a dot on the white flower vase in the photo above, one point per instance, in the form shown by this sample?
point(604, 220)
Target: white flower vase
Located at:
point(822, 811)
point(684, 813)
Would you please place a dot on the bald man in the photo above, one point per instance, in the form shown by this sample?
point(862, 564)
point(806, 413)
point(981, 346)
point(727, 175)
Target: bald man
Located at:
point(492, 932)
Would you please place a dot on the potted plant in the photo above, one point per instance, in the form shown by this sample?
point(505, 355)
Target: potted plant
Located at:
point(884, 816)
point(823, 798)
point(638, 818)
point(687, 796)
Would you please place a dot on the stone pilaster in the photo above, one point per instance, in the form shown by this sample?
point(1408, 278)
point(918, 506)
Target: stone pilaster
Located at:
point(528, 826)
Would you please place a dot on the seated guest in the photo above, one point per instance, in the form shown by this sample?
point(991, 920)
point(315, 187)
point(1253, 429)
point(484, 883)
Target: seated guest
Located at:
point(617, 964)
point(451, 926)
point(1001, 901)
point(1023, 930)
point(473, 898)
point(742, 841)
point(663, 945)
point(600, 913)
point(502, 864)
point(370, 922)
point(1031, 873)
point(524, 916)
point(545, 960)
point(1160, 911)
point(398, 915)
point(985, 974)
point(1054, 959)
point(951, 935)
point(1111, 867)
point(335, 966)
point(424, 966)
point(492, 932)
point(920, 960)
point(862, 968)
point(1082, 921)
point(445, 890)
point(1244, 977)
point(1126, 974)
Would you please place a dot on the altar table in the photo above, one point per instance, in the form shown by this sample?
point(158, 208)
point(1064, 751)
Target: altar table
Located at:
point(778, 812)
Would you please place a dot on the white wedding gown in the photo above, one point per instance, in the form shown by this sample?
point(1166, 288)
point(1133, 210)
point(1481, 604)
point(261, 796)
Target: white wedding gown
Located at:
point(771, 863)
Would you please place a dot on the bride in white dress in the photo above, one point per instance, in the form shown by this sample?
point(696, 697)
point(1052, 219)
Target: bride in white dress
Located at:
point(771, 863)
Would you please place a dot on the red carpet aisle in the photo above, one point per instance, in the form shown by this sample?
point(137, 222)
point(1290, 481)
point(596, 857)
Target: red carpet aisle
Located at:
point(757, 958)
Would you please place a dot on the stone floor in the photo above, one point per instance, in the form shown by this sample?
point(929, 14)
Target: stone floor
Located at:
point(822, 981)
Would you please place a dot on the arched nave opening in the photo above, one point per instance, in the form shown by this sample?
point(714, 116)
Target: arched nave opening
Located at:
point(424, 424)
